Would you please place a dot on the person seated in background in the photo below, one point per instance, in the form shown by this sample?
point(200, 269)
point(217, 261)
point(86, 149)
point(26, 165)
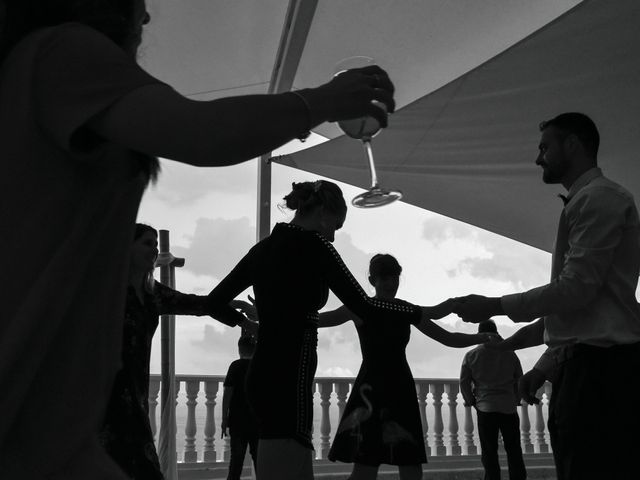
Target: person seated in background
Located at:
point(489, 382)
point(126, 431)
point(236, 415)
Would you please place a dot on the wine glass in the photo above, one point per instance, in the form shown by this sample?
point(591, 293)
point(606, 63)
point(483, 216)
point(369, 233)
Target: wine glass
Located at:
point(364, 129)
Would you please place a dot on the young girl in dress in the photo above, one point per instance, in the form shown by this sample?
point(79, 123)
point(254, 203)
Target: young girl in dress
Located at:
point(381, 421)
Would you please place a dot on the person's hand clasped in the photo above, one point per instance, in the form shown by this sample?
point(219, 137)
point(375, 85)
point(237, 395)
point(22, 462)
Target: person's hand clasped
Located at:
point(358, 92)
point(476, 308)
point(529, 384)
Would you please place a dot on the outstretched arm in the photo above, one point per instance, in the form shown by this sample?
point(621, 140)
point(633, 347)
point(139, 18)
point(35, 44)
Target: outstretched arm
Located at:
point(219, 300)
point(336, 317)
point(530, 335)
point(157, 120)
point(451, 339)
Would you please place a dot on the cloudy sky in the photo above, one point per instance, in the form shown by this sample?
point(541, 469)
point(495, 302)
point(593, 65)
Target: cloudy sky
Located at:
point(211, 216)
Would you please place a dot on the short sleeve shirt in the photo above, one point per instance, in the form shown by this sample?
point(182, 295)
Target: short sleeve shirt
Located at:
point(68, 204)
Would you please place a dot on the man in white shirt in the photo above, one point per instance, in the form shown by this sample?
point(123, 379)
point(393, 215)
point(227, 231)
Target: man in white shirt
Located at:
point(589, 316)
point(489, 382)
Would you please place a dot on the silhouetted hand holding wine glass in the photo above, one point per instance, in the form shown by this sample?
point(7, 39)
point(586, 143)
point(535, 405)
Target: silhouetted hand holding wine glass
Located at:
point(364, 129)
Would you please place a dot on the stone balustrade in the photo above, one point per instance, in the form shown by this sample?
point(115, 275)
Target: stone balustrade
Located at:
point(199, 406)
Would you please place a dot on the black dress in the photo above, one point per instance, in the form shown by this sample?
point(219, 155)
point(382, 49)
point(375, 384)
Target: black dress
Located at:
point(381, 421)
point(291, 272)
point(126, 432)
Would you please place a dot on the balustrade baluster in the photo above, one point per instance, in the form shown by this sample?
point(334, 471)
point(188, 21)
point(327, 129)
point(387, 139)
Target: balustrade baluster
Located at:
point(525, 428)
point(548, 387)
point(190, 453)
point(325, 388)
point(342, 390)
point(469, 444)
point(423, 390)
point(439, 448)
point(451, 389)
point(154, 389)
point(543, 447)
point(210, 392)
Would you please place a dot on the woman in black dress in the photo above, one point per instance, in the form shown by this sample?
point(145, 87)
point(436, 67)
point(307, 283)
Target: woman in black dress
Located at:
point(126, 432)
point(291, 272)
point(381, 421)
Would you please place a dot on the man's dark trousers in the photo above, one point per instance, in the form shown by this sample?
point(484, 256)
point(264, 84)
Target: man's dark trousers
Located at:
point(489, 425)
point(593, 417)
point(240, 438)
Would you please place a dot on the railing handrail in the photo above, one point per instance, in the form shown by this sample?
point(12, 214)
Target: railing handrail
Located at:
point(190, 376)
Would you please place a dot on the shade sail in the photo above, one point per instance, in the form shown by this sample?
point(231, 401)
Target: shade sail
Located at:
point(473, 80)
point(467, 150)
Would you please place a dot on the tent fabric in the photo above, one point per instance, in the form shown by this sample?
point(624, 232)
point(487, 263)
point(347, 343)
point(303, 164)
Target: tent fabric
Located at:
point(467, 150)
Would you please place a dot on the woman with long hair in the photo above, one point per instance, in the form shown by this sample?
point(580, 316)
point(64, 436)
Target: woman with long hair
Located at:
point(81, 125)
point(126, 432)
point(291, 272)
point(381, 421)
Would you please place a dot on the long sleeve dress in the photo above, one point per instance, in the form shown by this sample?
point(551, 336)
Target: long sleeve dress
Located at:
point(291, 272)
point(381, 421)
point(126, 432)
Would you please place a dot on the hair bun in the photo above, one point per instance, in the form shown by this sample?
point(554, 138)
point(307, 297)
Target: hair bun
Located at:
point(300, 196)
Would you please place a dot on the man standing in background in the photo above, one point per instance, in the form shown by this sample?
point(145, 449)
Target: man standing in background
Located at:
point(489, 382)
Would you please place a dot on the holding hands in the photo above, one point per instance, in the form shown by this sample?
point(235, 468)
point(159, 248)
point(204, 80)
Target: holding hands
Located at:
point(476, 308)
point(250, 324)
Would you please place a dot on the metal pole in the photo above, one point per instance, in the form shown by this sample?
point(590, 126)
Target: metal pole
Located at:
point(298, 19)
point(167, 437)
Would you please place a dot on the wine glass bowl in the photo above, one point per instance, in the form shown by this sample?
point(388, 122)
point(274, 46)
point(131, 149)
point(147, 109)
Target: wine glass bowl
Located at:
point(364, 129)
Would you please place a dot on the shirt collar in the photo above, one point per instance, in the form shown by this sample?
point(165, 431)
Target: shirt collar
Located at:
point(583, 180)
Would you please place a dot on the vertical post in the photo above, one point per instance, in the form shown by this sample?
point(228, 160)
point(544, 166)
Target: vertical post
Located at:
point(297, 24)
point(525, 428)
point(264, 197)
point(342, 390)
point(210, 393)
point(190, 455)
point(167, 437)
point(423, 391)
point(154, 389)
point(437, 389)
point(451, 390)
point(543, 447)
point(325, 388)
point(470, 446)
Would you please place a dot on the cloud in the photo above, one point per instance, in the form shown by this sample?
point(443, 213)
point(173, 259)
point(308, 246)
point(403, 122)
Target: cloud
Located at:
point(183, 185)
point(217, 245)
point(485, 255)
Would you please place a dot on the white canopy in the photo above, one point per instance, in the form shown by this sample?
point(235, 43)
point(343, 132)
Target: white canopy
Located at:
point(473, 81)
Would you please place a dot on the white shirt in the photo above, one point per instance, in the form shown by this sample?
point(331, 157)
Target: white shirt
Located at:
point(591, 297)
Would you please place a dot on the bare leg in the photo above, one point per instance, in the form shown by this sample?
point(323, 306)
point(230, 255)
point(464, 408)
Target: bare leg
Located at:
point(363, 472)
point(410, 472)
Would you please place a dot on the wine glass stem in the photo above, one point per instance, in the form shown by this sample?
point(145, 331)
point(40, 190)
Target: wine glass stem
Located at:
point(372, 168)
